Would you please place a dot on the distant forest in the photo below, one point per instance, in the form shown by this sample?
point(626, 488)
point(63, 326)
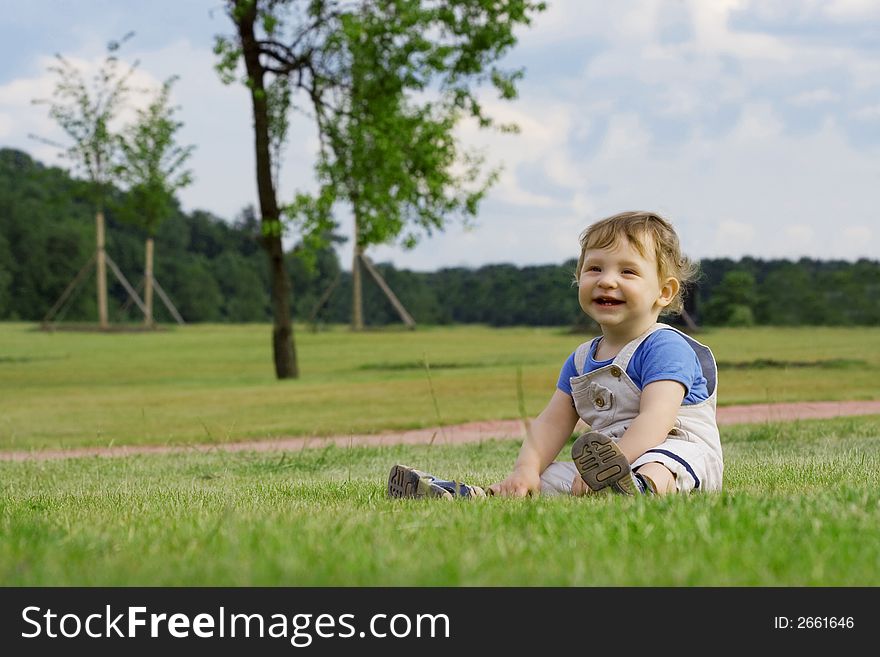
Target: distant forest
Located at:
point(215, 271)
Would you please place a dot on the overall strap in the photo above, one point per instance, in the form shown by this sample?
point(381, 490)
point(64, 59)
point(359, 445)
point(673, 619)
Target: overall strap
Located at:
point(622, 359)
point(581, 354)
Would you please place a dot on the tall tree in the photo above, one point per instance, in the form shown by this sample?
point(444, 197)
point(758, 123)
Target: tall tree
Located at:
point(85, 112)
point(360, 66)
point(261, 75)
point(153, 165)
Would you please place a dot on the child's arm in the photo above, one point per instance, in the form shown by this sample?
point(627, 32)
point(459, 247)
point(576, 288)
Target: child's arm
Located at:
point(547, 435)
point(659, 405)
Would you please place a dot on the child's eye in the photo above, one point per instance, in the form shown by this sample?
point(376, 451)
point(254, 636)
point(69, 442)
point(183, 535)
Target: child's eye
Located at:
point(630, 271)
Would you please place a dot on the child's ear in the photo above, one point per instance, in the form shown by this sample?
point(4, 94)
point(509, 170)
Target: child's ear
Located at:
point(668, 291)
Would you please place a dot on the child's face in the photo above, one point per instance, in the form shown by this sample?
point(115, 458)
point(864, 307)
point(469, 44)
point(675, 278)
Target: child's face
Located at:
point(621, 289)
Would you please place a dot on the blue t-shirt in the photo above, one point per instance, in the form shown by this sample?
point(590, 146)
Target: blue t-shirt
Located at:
point(663, 356)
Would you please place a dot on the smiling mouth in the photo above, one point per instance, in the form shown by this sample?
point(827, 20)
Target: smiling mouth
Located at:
point(607, 301)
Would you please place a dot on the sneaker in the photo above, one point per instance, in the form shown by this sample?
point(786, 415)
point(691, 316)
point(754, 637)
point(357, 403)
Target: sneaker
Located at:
point(601, 464)
point(404, 481)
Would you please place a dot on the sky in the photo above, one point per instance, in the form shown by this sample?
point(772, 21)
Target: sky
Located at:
point(752, 125)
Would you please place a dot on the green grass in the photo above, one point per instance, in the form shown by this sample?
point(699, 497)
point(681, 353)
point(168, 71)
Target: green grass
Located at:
point(801, 507)
point(215, 383)
point(801, 504)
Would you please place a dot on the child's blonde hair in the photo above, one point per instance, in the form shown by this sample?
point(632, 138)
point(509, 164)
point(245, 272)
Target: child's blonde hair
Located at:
point(646, 231)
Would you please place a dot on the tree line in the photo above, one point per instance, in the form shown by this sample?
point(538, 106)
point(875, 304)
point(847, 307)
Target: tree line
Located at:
point(216, 271)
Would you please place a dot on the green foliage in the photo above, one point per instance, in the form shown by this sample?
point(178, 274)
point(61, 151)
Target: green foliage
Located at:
point(85, 111)
point(48, 216)
point(740, 315)
point(786, 293)
point(387, 83)
point(5, 277)
point(198, 290)
point(735, 295)
point(240, 282)
point(48, 234)
point(151, 163)
point(47, 230)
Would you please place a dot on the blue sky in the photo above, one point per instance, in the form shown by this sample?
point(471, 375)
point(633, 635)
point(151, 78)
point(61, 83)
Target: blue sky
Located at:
point(754, 126)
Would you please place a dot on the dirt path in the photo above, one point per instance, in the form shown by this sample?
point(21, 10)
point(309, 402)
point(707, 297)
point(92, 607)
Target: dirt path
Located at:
point(461, 433)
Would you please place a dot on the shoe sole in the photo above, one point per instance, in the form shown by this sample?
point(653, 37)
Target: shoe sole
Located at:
point(403, 482)
point(600, 462)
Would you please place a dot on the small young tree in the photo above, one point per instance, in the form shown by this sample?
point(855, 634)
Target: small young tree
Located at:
point(85, 112)
point(152, 164)
point(389, 147)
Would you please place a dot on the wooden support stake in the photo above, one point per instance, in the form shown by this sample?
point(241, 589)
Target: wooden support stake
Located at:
point(405, 316)
point(689, 321)
point(128, 288)
point(167, 302)
point(69, 289)
point(101, 255)
point(325, 297)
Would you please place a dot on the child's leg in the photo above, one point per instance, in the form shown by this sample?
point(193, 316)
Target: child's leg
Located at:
point(557, 478)
point(694, 466)
point(658, 477)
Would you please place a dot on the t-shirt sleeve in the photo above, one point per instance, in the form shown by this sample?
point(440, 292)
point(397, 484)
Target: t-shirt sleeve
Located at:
point(668, 357)
point(568, 370)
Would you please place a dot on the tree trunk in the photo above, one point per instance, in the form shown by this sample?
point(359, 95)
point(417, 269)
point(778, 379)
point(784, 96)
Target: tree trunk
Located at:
point(102, 269)
point(148, 283)
point(357, 294)
point(357, 297)
point(282, 332)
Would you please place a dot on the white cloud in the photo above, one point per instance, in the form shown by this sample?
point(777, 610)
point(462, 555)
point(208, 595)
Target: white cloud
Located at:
point(625, 135)
point(542, 142)
point(852, 241)
point(682, 101)
point(758, 122)
point(800, 236)
point(869, 113)
point(815, 97)
point(24, 106)
point(702, 127)
point(851, 10)
point(566, 20)
point(714, 36)
point(22, 118)
point(734, 234)
point(858, 234)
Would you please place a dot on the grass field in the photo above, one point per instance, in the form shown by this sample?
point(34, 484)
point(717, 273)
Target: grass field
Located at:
point(801, 507)
point(216, 383)
point(801, 504)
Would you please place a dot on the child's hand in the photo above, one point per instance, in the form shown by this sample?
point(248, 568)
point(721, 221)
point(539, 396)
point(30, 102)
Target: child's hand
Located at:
point(517, 484)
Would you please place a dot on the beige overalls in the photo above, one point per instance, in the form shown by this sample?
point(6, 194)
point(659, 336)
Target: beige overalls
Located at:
point(608, 401)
